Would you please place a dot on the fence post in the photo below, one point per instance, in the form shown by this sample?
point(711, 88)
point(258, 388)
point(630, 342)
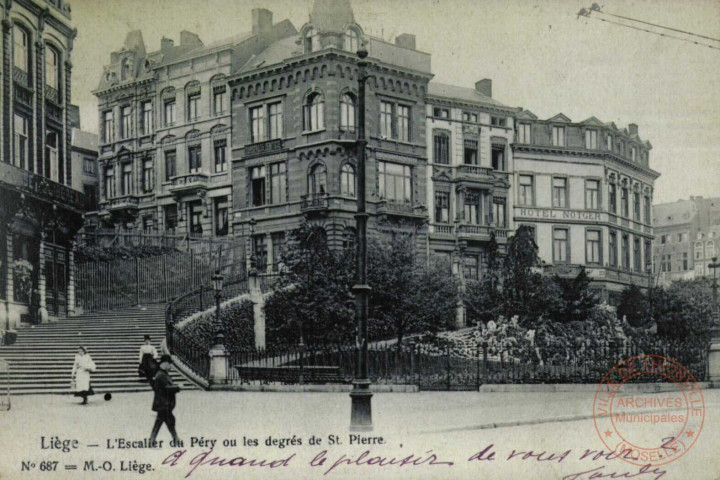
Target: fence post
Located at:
point(201, 297)
point(485, 360)
point(477, 367)
point(192, 272)
point(137, 281)
point(302, 366)
point(447, 364)
point(165, 278)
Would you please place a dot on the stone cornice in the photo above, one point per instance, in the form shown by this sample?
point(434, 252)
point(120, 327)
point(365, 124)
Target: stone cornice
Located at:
point(122, 86)
point(455, 102)
point(51, 17)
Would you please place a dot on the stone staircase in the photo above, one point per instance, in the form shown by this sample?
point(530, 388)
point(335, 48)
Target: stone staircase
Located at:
point(42, 358)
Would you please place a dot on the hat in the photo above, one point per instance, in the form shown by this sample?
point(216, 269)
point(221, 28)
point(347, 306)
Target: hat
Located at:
point(166, 358)
point(147, 337)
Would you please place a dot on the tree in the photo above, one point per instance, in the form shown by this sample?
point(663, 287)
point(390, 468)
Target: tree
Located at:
point(684, 309)
point(576, 300)
point(633, 306)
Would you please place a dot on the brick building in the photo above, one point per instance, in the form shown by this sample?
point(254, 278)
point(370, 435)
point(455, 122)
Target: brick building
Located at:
point(40, 208)
point(586, 190)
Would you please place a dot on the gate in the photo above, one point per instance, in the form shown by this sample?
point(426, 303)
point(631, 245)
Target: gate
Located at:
point(55, 278)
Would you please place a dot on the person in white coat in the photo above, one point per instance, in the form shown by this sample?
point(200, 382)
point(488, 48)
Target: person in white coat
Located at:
point(147, 360)
point(82, 368)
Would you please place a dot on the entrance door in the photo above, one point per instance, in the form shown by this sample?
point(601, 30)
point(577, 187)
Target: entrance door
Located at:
point(55, 279)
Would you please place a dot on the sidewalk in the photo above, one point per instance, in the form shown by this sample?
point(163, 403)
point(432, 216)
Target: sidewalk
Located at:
point(454, 425)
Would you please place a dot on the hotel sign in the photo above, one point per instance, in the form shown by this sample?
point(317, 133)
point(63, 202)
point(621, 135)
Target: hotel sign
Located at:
point(556, 214)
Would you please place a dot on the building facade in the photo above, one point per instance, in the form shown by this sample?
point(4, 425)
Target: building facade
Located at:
point(40, 209)
point(586, 191)
point(295, 131)
point(165, 128)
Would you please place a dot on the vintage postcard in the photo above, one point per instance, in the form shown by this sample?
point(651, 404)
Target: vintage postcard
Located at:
point(309, 239)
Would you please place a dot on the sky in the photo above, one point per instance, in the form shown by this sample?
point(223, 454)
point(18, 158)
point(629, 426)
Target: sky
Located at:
point(539, 55)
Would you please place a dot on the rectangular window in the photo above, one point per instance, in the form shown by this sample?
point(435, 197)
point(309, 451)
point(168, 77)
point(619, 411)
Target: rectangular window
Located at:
point(147, 118)
point(260, 251)
point(20, 49)
point(612, 242)
point(51, 68)
point(194, 159)
point(441, 150)
point(560, 246)
point(442, 207)
point(278, 249)
point(278, 182)
point(403, 123)
point(612, 198)
point(441, 112)
point(219, 149)
point(108, 127)
point(636, 205)
point(473, 209)
point(126, 184)
point(523, 133)
point(170, 164)
point(219, 100)
point(591, 139)
point(221, 216)
point(648, 218)
point(257, 124)
point(558, 136)
point(386, 120)
point(560, 192)
point(592, 194)
point(637, 259)
point(685, 257)
point(625, 202)
point(126, 125)
point(592, 247)
point(498, 159)
point(275, 113)
point(169, 113)
point(148, 176)
point(470, 117)
point(609, 143)
point(633, 153)
point(193, 107)
point(663, 238)
point(498, 121)
point(626, 252)
point(395, 182)
point(471, 152)
point(109, 183)
point(257, 179)
point(526, 190)
point(196, 212)
point(470, 270)
point(20, 155)
point(170, 217)
point(499, 216)
point(89, 165)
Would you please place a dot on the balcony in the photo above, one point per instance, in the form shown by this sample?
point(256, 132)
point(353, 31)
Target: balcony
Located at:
point(189, 183)
point(40, 187)
point(443, 229)
point(21, 77)
point(399, 209)
point(475, 232)
point(52, 94)
point(264, 148)
point(318, 202)
point(475, 173)
point(124, 202)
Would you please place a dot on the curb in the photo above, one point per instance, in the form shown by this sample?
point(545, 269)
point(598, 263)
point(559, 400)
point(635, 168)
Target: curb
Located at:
point(330, 388)
point(584, 387)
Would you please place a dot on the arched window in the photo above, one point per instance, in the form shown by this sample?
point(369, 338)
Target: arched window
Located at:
point(125, 69)
point(21, 49)
point(317, 180)
point(351, 40)
point(347, 180)
point(310, 40)
point(52, 73)
point(314, 112)
point(710, 249)
point(347, 113)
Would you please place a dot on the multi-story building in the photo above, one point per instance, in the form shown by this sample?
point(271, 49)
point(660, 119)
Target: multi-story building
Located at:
point(295, 130)
point(469, 163)
point(687, 233)
point(165, 130)
point(586, 190)
point(40, 210)
point(84, 155)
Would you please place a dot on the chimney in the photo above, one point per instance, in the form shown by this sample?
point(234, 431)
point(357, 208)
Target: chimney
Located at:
point(633, 129)
point(166, 44)
point(261, 20)
point(189, 39)
point(484, 86)
point(406, 40)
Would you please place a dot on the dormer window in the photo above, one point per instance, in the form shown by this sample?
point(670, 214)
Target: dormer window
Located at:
point(558, 136)
point(352, 43)
point(591, 139)
point(609, 141)
point(310, 40)
point(125, 69)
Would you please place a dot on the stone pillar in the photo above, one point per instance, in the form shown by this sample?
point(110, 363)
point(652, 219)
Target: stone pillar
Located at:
point(460, 214)
point(13, 316)
point(256, 297)
point(71, 281)
point(39, 81)
point(42, 288)
point(218, 364)
point(714, 357)
point(458, 273)
point(6, 93)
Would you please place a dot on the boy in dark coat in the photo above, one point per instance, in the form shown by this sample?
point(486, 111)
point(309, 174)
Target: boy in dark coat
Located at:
point(164, 401)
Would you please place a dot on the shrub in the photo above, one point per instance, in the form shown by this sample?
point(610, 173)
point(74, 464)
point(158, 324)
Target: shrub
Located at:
point(238, 323)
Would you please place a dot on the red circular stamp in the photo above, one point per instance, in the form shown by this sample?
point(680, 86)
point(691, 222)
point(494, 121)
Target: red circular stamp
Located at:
point(643, 427)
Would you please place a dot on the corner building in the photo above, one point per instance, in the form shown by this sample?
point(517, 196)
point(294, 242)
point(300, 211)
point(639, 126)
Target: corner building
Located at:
point(295, 127)
point(586, 191)
point(40, 211)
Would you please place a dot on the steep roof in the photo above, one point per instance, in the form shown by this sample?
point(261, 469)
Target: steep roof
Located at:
point(462, 93)
point(675, 213)
point(273, 54)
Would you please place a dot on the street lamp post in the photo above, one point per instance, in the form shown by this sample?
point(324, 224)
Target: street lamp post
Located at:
point(361, 415)
point(714, 266)
point(217, 284)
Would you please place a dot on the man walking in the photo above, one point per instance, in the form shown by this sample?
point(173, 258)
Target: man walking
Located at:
point(164, 401)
